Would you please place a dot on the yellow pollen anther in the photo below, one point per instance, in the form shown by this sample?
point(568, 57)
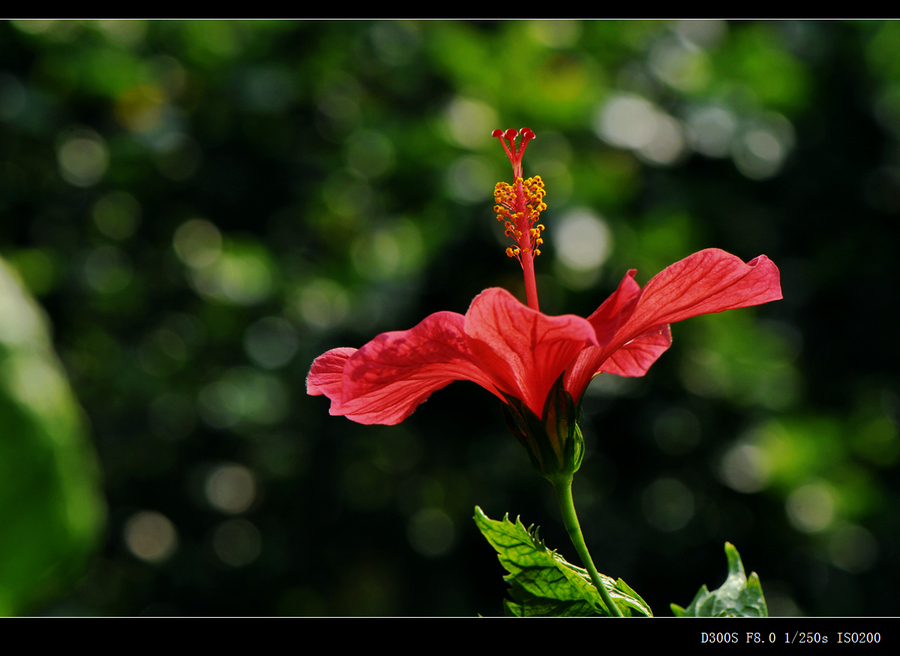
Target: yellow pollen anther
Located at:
point(520, 216)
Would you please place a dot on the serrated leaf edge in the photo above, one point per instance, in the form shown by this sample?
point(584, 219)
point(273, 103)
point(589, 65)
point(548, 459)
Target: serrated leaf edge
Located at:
point(733, 598)
point(577, 577)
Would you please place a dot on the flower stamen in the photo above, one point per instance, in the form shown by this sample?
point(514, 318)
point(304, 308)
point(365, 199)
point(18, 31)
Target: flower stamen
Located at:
point(519, 206)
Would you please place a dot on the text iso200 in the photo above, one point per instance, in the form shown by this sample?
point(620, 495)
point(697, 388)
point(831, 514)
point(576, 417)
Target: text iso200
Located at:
point(853, 637)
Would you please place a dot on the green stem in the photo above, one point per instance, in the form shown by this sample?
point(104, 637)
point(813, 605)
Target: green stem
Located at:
point(563, 489)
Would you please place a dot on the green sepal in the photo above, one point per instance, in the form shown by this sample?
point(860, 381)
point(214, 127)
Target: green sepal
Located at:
point(562, 417)
point(739, 596)
point(553, 441)
point(543, 583)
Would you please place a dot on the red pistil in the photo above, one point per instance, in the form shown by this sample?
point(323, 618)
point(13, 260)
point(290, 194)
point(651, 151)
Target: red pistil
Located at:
point(514, 154)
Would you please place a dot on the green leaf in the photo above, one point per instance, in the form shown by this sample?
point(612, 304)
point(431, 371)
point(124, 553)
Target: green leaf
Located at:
point(739, 596)
point(543, 583)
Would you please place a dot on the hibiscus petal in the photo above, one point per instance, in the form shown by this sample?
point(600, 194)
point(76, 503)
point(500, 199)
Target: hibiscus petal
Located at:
point(326, 374)
point(606, 320)
point(631, 359)
point(703, 283)
point(635, 357)
point(616, 310)
point(389, 377)
point(521, 349)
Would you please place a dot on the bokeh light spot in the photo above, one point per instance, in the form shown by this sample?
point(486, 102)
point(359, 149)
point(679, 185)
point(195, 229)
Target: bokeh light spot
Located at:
point(630, 121)
point(762, 147)
point(811, 507)
point(680, 64)
point(322, 304)
point(626, 121)
point(745, 468)
point(583, 240)
point(83, 158)
point(150, 536)
point(230, 488)
point(198, 243)
point(470, 122)
point(241, 275)
point(710, 130)
point(667, 145)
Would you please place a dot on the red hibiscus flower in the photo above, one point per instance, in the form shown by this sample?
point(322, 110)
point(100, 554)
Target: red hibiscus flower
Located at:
point(538, 365)
point(514, 351)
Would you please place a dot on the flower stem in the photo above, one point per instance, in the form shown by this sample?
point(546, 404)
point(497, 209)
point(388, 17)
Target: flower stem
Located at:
point(563, 489)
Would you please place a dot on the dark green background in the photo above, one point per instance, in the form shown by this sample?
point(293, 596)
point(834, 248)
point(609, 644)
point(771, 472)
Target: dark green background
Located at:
point(202, 208)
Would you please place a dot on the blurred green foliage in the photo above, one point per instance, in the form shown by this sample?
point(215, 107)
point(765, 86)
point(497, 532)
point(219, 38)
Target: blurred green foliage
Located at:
point(50, 499)
point(203, 207)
